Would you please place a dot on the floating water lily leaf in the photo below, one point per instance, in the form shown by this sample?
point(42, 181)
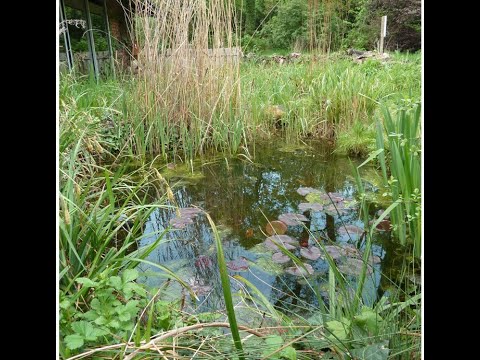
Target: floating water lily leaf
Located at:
point(350, 250)
point(280, 258)
point(240, 264)
point(299, 271)
point(189, 211)
point(287, 241)
point(336, 209)
point(310, 207)
point(353, 266)
point(350, 229)
point(307, 190)
point(374, 259)
point(336, 197)
point(180, 222)
point(334, 251)
point(186, 217)
point(318, 197)
point(269, 244)
point(276, 227)
point(311, 253)
point(198, 288)
point(203, 262)
point(384, 225)
point(266, 264)
point(292, 219)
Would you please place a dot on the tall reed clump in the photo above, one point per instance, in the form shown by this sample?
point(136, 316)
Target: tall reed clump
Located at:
point(186, 93)
point(401, 170)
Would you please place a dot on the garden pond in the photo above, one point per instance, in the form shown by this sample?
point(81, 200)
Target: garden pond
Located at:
point(306, 194)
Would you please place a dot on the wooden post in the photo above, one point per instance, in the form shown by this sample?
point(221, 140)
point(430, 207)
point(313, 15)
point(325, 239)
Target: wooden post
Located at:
point(383, 32)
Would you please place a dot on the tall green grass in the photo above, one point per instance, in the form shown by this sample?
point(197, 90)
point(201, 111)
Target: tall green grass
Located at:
point(401, 170)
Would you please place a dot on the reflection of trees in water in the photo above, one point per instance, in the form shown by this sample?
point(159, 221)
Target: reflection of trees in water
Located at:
point(234, 196)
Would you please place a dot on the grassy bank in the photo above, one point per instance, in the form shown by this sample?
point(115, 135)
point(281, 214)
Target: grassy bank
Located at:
point(103, 209)
point(332, 98)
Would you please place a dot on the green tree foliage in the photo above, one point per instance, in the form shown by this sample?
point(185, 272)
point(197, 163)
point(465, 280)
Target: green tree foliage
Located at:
point(250, 16)
point(337, 24)
point(288, 25)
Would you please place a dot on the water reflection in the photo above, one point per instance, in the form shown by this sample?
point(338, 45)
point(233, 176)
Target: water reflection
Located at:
point(240, 197)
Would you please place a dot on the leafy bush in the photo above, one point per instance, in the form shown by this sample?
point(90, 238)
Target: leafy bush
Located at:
point(288, 25)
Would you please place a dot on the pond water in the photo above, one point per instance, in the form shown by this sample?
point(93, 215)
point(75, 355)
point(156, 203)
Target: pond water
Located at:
point(241, 197)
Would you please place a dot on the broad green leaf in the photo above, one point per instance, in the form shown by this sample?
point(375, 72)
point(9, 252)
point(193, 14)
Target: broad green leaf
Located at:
point(74, 341)
point(64, 304)
point(369, 319)
point(85, 329)
point(289, 353)
point(274, 340)
point(338, 329)
point(129, 275)
point(116, 282)
point(131, 287)
point(377, 351)
point(86, 282)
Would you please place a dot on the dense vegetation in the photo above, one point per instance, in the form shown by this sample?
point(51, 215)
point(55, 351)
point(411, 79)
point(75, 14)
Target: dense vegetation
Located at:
point(178, 109)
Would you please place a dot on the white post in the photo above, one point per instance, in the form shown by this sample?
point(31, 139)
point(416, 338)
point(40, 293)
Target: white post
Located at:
point(383, 32)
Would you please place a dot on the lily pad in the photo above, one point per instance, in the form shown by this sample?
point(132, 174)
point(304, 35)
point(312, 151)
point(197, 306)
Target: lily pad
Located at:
point(353, 266)
point(189, 211)
point(268, 265)
point(276, 227)
point(280, 258)
point(199, 288)
point(292, 219)
point(307, 190)
point(310, 207)
point(299, 271)
point(336, 209)
point(336, 197)
point(180, 222)
point(374, 259)
point(240, 264)
point(350, 229)
point(287, 245)
point(318, 197)
point(311, 253)
point(203, 262)
point(384, 225)
point(350, 251)
point(335, 252)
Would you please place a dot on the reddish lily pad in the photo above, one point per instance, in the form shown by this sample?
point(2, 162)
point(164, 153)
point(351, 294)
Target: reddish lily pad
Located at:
point(336, 209)
point(203, 262)
point(353, 266)
point(335, 252)
point(384, 225)
point(199, 288)
point(189, 211)
point(350, 251)
point(240, 264)
point(336, 197)
point(299, 271)
point(180, 222)
point(292, 219)
point(350, 229)
point(307, 190)
point(310, 207)
point(249, 233)
point(286, 241)
point(276, 227)
point(311, 253)
point(280, 258)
